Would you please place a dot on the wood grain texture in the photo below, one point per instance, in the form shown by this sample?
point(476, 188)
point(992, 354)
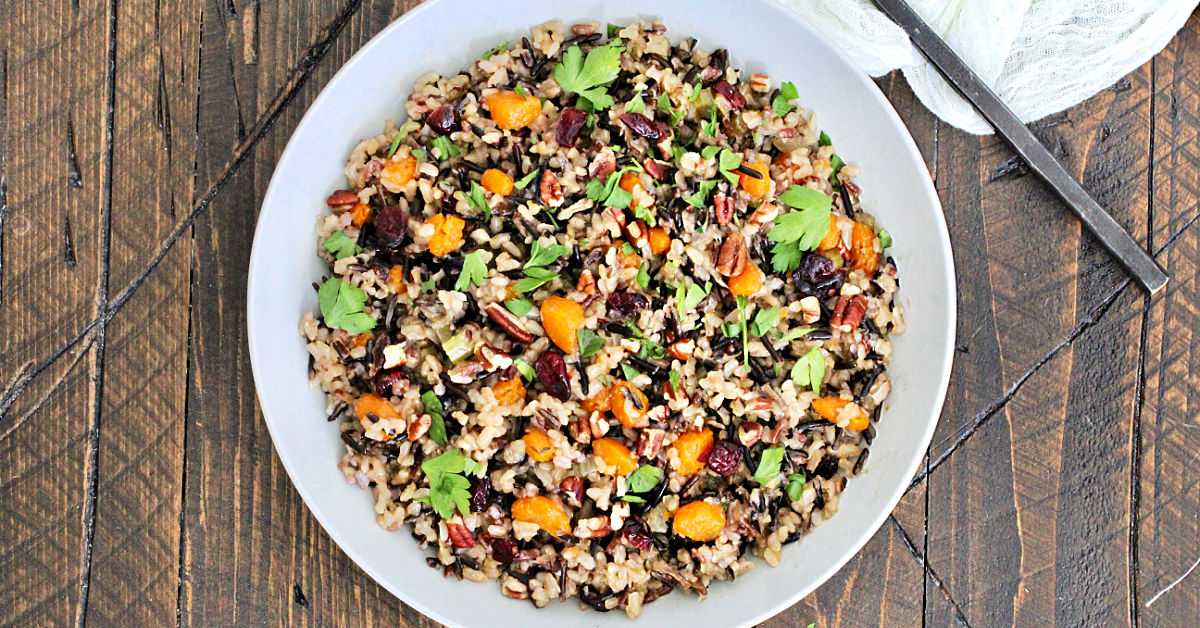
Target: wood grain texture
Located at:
point(1168, 537)
point(53, 153)
point(999, 517)
point(1061, 486)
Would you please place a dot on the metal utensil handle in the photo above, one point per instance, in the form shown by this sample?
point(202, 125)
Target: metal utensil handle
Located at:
point(1123, 247)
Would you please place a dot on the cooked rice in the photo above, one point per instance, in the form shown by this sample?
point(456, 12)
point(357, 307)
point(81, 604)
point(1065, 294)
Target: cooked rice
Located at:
point(748, 397)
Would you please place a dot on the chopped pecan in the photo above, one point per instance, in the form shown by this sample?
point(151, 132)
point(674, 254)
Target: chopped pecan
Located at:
point(749, 433)
point(855, 310)
point(723, 207)
point(682, 349)
point(650, 442)
point(492, 358)
point(418, 427)
point(586, 283)
point(342, 197)
point(810, 309)
point(788, 133)
point(466, 372)
point(598, 424)
point(655, 168)
point(572, 486)
point(736, 100)
point(581, 430)
point(585, 28)
point(732, 257)
point(592, 527)
point(550, 191)
point(839, 310)
point(604, 164)
point(460, 535)
point(508, 322)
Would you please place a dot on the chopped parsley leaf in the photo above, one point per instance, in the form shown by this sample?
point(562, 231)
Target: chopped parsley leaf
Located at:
point(444, 147)
point(637, 105)
point(544, 255)
point(341, 246)
point(433, 407)
point(769, 465)
point(781, 105)
point(476, 199)
point(448, 487)
point(809, 370)
point(589, 77)
point(518, 306)
point(474, 271)
point(342, 306)
point(590, 343)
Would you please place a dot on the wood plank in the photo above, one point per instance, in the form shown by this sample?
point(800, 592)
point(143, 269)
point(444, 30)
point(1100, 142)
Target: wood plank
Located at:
point(1168, 534)
point(53, 149)
point(1000, 527)
point(136, 549)
point(271, 547)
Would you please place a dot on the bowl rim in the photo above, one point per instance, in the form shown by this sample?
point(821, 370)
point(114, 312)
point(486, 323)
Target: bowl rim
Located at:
point(866, 533)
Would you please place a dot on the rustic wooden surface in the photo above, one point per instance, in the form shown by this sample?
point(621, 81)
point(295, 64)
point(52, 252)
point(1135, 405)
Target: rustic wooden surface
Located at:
point(138, 485)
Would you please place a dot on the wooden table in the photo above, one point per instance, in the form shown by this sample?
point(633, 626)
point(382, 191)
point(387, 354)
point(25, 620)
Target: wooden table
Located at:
point(138, 485)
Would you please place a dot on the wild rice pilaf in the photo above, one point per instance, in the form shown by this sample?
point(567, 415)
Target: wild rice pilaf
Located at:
point(603, 316)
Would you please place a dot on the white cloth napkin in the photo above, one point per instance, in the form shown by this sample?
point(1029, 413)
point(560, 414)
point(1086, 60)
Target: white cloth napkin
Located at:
point(1040, 56)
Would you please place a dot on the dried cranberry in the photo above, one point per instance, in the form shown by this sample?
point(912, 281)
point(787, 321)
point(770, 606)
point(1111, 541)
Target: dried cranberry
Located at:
point(390, 382)
point(736, 100)
point(724, 457)
point(481, 490)
point(570, 123)
point(504, 550)
point(626, 304)
point(641, 125)
point(391, 227)
point(551, 370)
point(443, 120)
point(637, 534)
point(817, 276)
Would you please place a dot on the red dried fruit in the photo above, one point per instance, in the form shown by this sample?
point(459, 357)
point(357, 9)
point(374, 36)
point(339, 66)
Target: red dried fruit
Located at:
point(626, 304)
point(460, 535)
point(391, 227)
point(443, 120)
point(736, 100)
point(570, 123)
point(724, 457)
point(390, 382)
point(641, 125)
point(551, 370)
point(504, 550)
point(481, 492)
point(637, 534)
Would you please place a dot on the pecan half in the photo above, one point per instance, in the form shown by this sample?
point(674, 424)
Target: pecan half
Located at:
point(723, 207)
point(855, 310)
point(572, 486)
point(655, 168)
point(460, 535)
point(550, 191)
point(839, 310)
point(732, 258)
point(341, 197)
point(586, 283)
point(581, 430)
point(418, 427)
point(508, 322)
point(682, 349)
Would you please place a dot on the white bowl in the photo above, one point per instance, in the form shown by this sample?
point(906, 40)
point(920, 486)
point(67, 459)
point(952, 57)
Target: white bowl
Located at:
point(447, 35)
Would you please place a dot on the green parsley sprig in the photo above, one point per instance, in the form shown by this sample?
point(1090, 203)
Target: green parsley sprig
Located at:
point(589, 77)
point(809, 370)
point(799, 231)
point(448, 483)
point(474, 271)
point(782, 104)
point(434, 408)
point(342, 306)
point(341, 246)
point(769, 465)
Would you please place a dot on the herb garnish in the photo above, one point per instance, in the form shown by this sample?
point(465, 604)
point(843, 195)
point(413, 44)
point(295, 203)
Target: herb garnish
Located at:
point(476, 199)
point(642, 480)
point(433, 407)
point(588, 77)
point(637, 105)
point(542, 256)
point(700, 197)
point(474, 271)
point(520, 307)
point(629, 372)
point(764, 320)
point(797, 232)
point(524, 181)
point(643, 277)
point(526, 369)
point(769, 465)
point(885, 239)
point(795, 489)
point(809, 370)
point(674, 377)
point(534, 279)
point(342, 306)
point(448, 487)
point(610, 193)
point(501, 47)
point(590, 343)
point(341, 246)
point(395, 145)
point(444, 147)
point(781, 105)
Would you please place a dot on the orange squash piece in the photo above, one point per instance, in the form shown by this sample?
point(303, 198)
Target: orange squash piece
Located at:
point(538, 445)
point(496, 182)
point(598, 402)
point(619, 459)
point(510, 110)
point(360, 214)
point(543, 511)
point(629, 405)
point(561, 318)
point(660, 242)
point(397, 173)
point(699, 521)
point(833, 237)
point(747, 283)
point(447, 234)
point(830, 408)
point(692, 447)
point(757, 188)
point(863, 255)
point(509, 391)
